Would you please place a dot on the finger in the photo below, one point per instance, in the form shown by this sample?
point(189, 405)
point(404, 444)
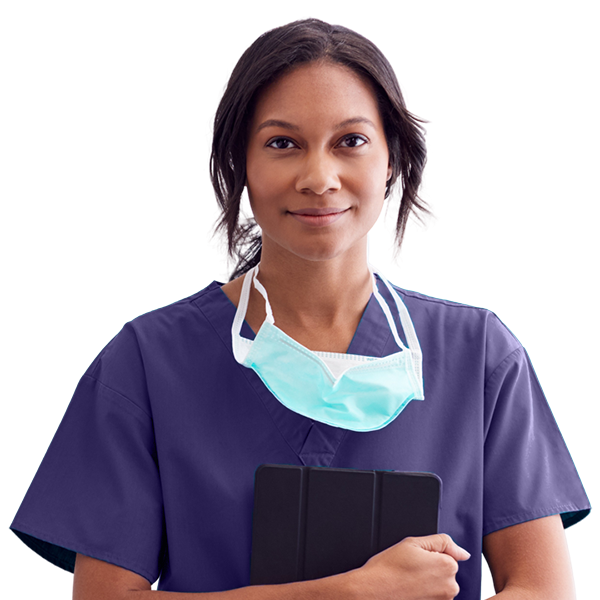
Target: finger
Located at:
point(442, 543)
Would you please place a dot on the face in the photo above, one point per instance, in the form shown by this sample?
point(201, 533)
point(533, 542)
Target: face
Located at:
point(317, 163)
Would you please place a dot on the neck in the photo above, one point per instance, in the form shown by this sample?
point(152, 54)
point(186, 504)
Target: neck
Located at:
point(315, 291)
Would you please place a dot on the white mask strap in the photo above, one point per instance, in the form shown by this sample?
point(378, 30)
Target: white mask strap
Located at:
point(241, 349)
point(407, 326)
point(259, 286)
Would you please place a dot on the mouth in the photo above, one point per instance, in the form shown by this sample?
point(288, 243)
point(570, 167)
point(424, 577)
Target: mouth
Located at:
point(318, 217)
point(318, 212)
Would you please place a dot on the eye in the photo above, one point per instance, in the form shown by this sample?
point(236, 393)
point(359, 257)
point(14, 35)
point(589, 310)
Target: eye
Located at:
point(355, 137)
point(270, 144)
point(286, 140)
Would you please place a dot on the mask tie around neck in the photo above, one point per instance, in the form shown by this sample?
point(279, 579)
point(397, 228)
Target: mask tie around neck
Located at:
point(259, 286)
point(407, 326)
point(239, 346)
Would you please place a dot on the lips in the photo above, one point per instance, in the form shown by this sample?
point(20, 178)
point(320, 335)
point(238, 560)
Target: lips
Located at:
point(317, 212)
point(319, 220)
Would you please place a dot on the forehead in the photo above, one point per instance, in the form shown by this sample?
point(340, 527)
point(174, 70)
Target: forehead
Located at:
point(320, 91)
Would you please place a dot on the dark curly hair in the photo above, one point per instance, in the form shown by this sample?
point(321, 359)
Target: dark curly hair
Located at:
point(272, 55)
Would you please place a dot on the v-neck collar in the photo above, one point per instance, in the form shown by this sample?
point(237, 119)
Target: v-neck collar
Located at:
point(314, 443)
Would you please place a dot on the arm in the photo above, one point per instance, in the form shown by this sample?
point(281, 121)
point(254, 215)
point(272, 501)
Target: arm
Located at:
point(98, 580)
point(530, 561)
point(328, 588)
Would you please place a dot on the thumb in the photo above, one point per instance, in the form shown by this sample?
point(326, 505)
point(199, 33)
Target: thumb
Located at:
point(443, 543)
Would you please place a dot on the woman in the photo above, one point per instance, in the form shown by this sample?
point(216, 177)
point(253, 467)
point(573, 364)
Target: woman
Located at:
point(151, 471)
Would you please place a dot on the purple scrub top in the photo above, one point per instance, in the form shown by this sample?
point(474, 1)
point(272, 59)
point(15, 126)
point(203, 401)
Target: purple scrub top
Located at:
point(152, 467)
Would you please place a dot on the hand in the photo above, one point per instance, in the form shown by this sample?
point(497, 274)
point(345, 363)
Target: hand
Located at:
point(417, 568)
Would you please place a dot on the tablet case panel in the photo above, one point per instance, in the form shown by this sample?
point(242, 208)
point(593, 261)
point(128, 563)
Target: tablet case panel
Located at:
point(275, 540)
point(312, 522)
point(339, 521)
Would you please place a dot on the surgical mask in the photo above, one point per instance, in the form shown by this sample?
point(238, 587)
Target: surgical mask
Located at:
point(360, 393)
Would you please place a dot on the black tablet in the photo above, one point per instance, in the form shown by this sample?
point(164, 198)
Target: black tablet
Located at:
point(311, 522)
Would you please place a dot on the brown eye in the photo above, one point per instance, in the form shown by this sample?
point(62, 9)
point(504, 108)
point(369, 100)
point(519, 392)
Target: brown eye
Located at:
point(286, 140)
point(269, 145)
point(355, 137)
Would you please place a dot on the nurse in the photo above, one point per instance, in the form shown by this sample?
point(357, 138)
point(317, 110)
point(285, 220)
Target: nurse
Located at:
point(317, 166)
point(187, 401)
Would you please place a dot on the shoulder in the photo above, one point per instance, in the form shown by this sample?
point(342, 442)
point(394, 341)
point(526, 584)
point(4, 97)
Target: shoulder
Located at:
point(182, 312)
point(164, 348)
point(455, 315)
point(448, 326)
point(171, 325)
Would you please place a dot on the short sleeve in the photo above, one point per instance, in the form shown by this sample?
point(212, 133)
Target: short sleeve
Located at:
point(97, 491)
point(528, 471)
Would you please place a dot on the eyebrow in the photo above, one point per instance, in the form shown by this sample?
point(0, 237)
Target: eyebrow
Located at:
point(292, 127)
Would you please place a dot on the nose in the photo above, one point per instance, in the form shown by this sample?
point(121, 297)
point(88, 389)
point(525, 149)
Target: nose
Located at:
point(318, 174)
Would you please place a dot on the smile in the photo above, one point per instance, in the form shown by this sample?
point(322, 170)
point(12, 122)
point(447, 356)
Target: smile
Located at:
point(318, 217)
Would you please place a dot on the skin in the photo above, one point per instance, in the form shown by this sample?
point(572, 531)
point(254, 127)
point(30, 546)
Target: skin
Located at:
point(531, 560)
point(304, 152)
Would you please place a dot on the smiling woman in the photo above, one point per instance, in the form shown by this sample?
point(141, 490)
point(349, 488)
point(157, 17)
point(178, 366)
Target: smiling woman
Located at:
point(310, 94)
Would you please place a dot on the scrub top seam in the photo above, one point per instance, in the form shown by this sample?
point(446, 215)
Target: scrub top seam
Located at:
point(207, 319)
point(501, 364)
point(56, 541)
point(139, 408)
point(449, 303)
point(529, 515)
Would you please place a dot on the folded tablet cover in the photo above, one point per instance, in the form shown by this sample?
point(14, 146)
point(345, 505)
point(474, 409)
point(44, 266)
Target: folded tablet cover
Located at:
point(312, 522)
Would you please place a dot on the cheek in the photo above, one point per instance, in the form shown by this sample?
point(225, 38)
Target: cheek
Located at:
point(371, 180)
point(262, 177)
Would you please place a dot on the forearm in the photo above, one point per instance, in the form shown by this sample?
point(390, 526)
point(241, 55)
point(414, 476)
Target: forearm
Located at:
point(529, 594)
point(328, 588)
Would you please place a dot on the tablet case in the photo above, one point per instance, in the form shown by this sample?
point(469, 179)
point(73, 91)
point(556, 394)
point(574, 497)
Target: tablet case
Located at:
point(312, 522)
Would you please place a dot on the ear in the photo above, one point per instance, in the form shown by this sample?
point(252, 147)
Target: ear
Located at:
point(389, 172)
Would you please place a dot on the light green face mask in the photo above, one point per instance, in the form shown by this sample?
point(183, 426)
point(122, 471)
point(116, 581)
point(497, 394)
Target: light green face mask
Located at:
point(360, 393)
